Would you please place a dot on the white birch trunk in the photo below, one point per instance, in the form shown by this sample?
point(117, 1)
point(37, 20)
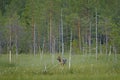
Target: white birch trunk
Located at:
point(70, 50)
point(96, 37)
point(62, 34)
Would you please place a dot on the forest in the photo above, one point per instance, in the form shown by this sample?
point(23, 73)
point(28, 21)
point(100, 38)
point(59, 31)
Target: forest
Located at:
point(27, 25)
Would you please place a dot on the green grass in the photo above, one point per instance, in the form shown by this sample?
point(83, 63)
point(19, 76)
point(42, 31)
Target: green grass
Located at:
point(83, 67)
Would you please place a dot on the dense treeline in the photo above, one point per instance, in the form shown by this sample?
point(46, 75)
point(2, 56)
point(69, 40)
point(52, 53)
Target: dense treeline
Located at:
point(30, 26)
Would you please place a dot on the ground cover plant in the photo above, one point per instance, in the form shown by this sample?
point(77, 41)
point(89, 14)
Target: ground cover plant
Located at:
point(83, 67)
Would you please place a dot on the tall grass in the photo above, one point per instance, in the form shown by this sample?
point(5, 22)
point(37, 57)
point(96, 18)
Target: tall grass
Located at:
point(84, 67)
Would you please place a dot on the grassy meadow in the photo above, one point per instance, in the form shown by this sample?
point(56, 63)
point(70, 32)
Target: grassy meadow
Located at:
point(83, 67)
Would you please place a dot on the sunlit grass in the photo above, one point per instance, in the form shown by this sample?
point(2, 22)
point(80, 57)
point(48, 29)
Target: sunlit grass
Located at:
point(83, 67)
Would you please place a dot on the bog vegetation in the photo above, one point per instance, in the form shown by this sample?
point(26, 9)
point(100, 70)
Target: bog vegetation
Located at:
point(85, 67)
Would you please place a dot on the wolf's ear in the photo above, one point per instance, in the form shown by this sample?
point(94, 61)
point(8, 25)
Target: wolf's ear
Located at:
point(59, 57)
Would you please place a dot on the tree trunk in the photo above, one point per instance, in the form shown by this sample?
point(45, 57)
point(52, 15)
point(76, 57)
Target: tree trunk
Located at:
point(100, 47)
point(42, 50)
point(34, 41)
point(33, 26)
point(106, 43)
point(70, 50)
point(16, 46)
point(10, 47)
point(0, 48)
point(50, 32)
point(115, 54)
point(83, 45)
point(79, 36)
point(110, 50)
point(90, 39)
point(53, 52)
point(86, 44)
point(62, 34)
point(96, 37)
point(59, 39)
point(16, 42)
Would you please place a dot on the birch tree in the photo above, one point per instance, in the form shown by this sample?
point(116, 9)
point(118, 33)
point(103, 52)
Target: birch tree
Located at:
point(70, 50)
point(62, 34)
point(96, 36)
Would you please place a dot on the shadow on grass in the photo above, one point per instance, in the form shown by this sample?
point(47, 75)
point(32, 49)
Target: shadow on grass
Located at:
point(7, 64)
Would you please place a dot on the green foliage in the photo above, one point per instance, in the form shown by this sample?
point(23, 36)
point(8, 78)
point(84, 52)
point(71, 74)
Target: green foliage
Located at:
point(75, 47)
point(42, 13)
point(85, 67)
